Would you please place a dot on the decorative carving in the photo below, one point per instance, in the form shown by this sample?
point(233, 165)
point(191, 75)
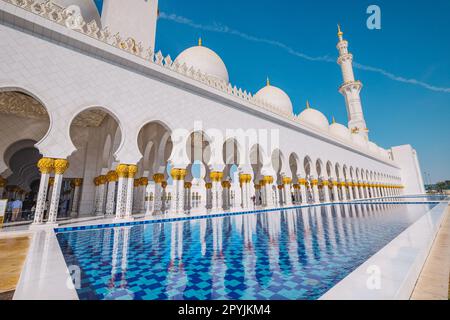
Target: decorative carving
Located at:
point(46, 165)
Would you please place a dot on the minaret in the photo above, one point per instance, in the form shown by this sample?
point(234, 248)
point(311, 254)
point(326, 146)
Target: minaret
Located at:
point(132, 18)
point(351, 89)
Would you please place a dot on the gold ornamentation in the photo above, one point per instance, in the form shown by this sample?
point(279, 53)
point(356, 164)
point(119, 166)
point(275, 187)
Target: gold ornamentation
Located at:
point(287, 180)
point(132, 170)
point(188, 185)
point(178, 174)
point(61, 165)
point(296, 186)
point(51, 181)
point(96, 181)
point(122, 171)
point(3, 182)
point(245, 178)
point(112, 176)
point(102, 180)
point(164, 184)
point(158, 178)
point(77, 182)
point(216, 176)
point(46, 165)
point(143, 181)
point(302, 182)
point(268, 180)
point(136, 183)
point(325, 183)
point(226, 184)
point(208, 185)
point(315, 182)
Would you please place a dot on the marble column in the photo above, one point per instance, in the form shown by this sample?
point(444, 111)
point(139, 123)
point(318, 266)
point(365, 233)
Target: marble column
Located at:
point(326, 190)
point(122, 173)
point(158, 194)
point(302, 183)
point(350, 190)
point(177, 204)
point(226, 187)
point(61, 165)
point(46, 166)
point(343, 188)
point(76, 184)
point(208, 200)
point(216, 190)
point(335, 190)
point(267, 188)
point(132, 170)
point(287, 194)
point(315, 189)
point(297, 197)
point(246, 197)
point(112, 178)
point(101, 182)
point(188, 196)
point(143, 184)
point(51, 183)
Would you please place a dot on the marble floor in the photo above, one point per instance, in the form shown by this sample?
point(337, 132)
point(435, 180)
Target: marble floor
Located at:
point(13, 252)
point(433, 283)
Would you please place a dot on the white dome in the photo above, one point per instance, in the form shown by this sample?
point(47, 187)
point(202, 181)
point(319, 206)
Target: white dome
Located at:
point(314, 118)
point(340, 131)
point(205, 60)
point(359, 140)
point(88, 9)
point(275, 97)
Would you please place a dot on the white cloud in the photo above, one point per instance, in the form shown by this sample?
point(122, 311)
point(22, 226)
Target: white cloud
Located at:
point(224, 29)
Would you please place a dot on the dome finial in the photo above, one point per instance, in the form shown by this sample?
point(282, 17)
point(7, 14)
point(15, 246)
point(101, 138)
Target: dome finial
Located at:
point(334, 120)
point(200, 43)
point(268, 82)
point(340, 33)
point(308, 106)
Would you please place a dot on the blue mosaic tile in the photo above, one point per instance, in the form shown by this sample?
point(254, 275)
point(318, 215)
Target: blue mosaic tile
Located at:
point(283, 255)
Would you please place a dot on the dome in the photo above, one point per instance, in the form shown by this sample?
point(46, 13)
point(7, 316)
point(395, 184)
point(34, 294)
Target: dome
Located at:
point(359, 140)
point(275, 97)
point(88, 9)
point(205, 60)
point(314, 118)
point(340, 131)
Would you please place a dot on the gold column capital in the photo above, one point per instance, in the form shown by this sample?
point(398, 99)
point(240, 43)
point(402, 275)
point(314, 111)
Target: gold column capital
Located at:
point(245, 178)
point(61, 165)
point(226, 184)
point(188, 185)
point(122, 171)
point(3, 182)
point(112, 176)
point(178, 174)
point(268, 180)
point(143, 181)
point(51, 181)
point(216, 176)
point(287, 180)
point(46, 165)
point(137, 183)
point(132, 171)
point(208, 185)
point(158, 178)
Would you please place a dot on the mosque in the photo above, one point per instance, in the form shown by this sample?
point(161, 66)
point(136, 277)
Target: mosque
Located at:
point(93, 118)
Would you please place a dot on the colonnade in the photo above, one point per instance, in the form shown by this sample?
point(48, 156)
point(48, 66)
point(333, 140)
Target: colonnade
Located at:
point(120, 194)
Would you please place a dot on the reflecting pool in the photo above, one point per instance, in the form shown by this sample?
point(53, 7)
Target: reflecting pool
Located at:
point(280, 255)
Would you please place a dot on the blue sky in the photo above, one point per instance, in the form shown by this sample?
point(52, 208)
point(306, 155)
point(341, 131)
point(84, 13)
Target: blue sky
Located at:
point(278, 38)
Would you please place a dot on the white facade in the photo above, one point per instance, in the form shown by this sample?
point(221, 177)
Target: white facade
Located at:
point(109, 112)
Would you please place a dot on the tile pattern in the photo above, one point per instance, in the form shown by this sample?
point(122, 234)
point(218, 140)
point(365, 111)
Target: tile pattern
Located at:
point(283, 255)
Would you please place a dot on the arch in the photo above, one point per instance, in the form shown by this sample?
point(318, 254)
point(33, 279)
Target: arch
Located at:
point(308, 166)
point(23, 109)
point(294, 165)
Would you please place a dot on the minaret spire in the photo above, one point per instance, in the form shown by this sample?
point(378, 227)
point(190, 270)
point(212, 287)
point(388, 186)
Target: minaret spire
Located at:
point(351, 89)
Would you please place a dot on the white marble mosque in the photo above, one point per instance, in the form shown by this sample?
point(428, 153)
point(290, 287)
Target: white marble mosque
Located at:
point(92, 117)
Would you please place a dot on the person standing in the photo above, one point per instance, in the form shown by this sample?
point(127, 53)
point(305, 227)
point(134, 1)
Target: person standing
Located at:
point(16, 208)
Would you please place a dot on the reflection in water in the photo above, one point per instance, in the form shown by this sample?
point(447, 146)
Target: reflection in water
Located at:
point(293, 254)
